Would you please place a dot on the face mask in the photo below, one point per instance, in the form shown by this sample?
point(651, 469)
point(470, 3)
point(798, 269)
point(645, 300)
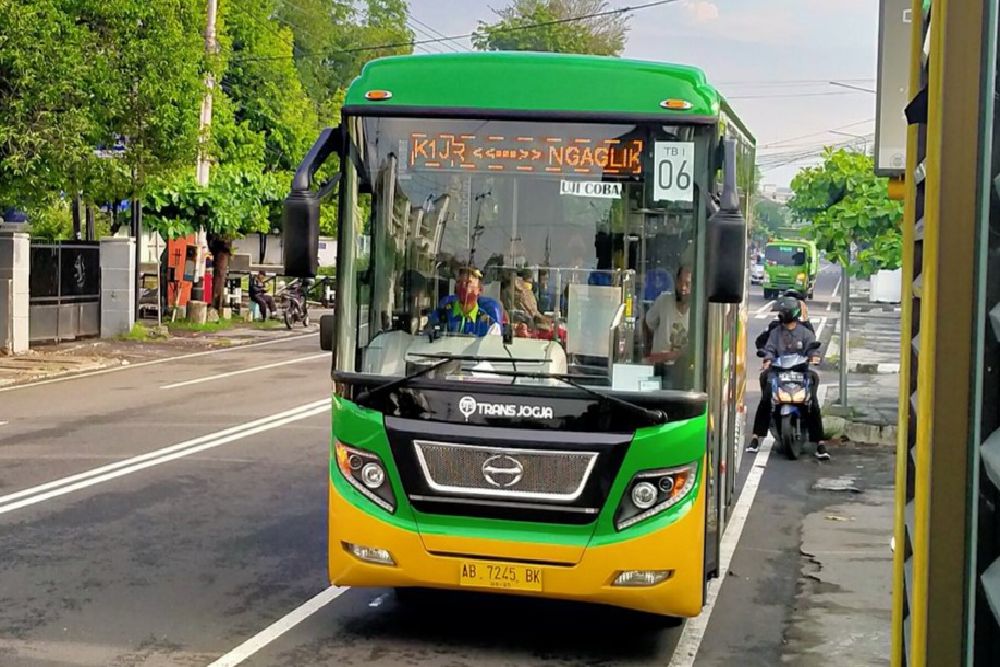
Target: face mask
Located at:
point(466, 294)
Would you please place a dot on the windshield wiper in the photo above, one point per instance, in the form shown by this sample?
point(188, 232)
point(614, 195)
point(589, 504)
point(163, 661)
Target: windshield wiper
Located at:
point(655, 416)
point(399, 382)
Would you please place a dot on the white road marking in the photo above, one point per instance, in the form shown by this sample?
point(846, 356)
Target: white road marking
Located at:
point(154, 362)
point(3, 423)
point(252, 369)
point(836, 288)
point(764, 310)
point(279, 627)
point(60, 487)
point(694, 630)
point(819, 329)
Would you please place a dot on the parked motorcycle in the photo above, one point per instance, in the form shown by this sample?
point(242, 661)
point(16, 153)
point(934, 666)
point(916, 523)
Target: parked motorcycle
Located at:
point(792, 393)
point(296, 308)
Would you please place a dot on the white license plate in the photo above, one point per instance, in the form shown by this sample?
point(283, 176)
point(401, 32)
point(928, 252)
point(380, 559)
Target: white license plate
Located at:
point(791, 377)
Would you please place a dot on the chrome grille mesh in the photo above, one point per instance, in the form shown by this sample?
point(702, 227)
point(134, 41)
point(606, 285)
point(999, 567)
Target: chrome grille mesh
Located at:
point(534, 474)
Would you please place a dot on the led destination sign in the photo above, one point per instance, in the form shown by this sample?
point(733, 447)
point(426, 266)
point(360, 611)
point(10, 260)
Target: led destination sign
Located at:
point(552, 155)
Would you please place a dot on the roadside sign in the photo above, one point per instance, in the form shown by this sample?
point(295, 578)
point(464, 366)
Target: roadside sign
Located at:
point(895, 33)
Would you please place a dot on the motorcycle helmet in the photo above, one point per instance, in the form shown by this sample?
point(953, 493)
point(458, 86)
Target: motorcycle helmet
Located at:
point(788, 309)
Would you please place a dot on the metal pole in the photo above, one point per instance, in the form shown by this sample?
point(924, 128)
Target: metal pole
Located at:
point(845, 306)
point(137, 234)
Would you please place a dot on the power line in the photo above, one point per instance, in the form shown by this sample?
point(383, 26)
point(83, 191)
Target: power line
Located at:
point(456, 46)
point(790, 82)
point(782, 95)
point(430, 48)
point(451, 38)
point(776, 144)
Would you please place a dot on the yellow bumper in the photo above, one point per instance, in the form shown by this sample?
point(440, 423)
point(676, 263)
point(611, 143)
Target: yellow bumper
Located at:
point(586, 578)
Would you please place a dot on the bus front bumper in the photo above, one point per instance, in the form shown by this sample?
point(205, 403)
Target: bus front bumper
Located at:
point(565, 573)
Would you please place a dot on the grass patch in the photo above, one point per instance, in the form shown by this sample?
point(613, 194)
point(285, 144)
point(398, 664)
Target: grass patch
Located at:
point(138, 334)
point(188, 325)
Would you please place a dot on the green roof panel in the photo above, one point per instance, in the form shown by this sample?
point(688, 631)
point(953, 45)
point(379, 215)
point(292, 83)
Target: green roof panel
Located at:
point(535, 82)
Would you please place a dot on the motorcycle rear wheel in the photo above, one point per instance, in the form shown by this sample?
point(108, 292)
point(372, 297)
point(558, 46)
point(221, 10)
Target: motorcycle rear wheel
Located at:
point(790, 442)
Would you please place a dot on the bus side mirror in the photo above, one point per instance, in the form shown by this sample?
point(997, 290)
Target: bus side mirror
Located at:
point(300, 219)
point(327, 332)
point(300, 235)
point(727, 238)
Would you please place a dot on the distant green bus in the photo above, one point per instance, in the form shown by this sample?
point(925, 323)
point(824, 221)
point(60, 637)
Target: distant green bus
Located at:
point(790, 264)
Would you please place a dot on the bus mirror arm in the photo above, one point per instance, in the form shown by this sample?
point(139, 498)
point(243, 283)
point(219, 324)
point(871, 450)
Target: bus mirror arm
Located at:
point(727, 232)
point(329, 142)
point(300, 218)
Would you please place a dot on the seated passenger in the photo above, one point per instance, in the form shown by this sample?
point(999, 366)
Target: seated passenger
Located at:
point(466, 311)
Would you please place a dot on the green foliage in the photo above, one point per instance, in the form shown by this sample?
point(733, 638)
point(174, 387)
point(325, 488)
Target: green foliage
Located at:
point(236, 201)
point(334, 40)
point(769, 217)
point(844, 202)
point(78, 74)
point(266, 104)
point(604, 35)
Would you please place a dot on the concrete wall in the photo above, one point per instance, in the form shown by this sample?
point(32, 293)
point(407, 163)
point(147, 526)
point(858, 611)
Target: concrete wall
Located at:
point(250, 245)
point(117, 286)
point(14, 261)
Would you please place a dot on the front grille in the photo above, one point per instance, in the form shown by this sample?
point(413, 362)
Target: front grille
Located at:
point(496, 472)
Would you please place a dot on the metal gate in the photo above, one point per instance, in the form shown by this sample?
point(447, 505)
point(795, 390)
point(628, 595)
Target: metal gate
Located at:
point(64, 291)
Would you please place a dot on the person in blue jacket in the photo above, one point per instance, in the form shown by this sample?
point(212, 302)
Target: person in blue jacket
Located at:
point(467, 311)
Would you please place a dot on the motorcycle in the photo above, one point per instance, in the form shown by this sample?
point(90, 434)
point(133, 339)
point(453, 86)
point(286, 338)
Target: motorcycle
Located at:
point(792, 393)
point(295, 307)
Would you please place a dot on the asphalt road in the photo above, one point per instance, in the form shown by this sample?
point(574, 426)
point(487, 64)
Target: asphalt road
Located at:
point(167, 514)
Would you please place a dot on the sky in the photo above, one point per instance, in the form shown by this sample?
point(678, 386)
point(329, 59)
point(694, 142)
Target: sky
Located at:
point(773, 59)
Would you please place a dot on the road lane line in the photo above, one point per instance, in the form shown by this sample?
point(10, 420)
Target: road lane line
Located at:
point(59, 487)
point(279, 627)
point(252, 369)
point(694, 630)
point(836, 288)
point(763, 310)
point(155, 362)
point(819, 329)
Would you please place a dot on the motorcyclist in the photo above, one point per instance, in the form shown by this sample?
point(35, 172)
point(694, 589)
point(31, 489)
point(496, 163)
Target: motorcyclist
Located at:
point(791, 337)
point(761, 340)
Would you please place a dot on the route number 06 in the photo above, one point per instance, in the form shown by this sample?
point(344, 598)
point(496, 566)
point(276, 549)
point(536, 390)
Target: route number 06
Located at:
point(673, 178)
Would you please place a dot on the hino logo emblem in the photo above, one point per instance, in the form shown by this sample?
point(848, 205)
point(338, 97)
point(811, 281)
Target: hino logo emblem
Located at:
point(503, 471)
point(469, 406)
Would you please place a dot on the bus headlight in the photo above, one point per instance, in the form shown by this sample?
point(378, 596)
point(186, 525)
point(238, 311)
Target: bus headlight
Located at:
point(365, 472)
point(800, 279)
point(651, 492)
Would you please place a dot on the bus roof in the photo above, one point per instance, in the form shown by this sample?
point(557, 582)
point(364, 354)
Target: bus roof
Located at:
point(526, 84)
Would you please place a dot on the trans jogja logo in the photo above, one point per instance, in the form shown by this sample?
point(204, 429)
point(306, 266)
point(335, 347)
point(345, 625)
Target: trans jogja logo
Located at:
point(469, 406)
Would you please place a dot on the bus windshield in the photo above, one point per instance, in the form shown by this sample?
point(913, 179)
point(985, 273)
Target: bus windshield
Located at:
point(544, 232)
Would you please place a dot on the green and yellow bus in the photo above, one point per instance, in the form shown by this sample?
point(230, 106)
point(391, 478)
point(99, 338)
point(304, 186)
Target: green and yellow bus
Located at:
point(538, 339)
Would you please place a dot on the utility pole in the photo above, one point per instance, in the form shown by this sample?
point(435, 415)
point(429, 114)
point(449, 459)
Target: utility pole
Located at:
point(845, 306)
point(202, 167)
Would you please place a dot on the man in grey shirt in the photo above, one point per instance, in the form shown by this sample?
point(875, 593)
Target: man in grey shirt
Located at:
point(790, 337)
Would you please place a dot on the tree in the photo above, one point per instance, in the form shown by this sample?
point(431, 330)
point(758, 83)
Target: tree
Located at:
point(769, 217)
point(335, 38)
point(76, 75)
point(558, 33)
point(844, 202)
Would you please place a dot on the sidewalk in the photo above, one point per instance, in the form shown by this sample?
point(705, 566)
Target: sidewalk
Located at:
point(872, 410)
point(47, 361)
point(843, 602)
